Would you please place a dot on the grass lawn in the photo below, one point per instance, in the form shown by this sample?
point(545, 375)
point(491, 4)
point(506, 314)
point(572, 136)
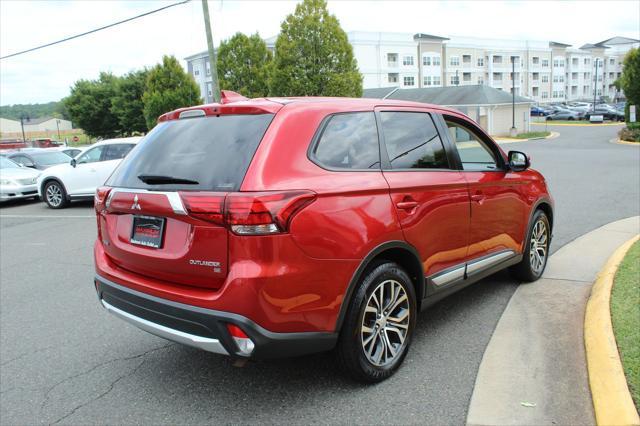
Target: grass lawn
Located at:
point(625, 315)
point(531, 135)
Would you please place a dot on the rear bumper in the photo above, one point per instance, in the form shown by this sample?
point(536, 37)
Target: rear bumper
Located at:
point(204, 328)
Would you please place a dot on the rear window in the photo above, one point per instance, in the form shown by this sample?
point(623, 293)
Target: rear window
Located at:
point(215, 152)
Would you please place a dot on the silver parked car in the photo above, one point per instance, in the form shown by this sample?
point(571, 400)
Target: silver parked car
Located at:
point(17, 182)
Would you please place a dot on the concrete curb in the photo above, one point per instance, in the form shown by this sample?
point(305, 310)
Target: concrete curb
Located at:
point(553, 135)
point(534, 369)
point(612, 401)
point(621, 142)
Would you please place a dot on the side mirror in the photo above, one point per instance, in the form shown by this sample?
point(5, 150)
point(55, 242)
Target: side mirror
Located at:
point(518, 161)
point(73, 162)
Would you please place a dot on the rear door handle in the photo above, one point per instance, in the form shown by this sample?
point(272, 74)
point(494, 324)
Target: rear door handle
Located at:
point(478, 197)
point(407, 205)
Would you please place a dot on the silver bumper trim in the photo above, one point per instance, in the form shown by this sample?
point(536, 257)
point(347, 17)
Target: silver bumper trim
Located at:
point(205, 343)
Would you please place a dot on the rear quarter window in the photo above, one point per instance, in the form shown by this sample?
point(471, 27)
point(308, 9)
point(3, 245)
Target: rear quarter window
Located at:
point(348, 141)
point(213, 151)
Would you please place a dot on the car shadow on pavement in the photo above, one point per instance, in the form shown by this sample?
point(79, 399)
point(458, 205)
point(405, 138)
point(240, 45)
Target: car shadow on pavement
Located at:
point(263, 390)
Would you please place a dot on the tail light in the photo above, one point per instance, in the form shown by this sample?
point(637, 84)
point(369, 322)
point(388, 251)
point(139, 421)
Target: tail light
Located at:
point(100, 198)
point(249, 213)
point(245, 344)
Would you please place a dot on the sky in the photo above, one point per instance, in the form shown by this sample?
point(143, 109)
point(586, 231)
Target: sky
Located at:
point(47, 75)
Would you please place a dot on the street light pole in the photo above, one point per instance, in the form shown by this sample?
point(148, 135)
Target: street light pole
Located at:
point(22, 119)
point(513, 96)
point(595, 86)
point(215, 89)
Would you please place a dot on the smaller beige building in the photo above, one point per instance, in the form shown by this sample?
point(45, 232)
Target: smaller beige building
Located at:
point(489, 107)
point(9, 126)
point(45, 124)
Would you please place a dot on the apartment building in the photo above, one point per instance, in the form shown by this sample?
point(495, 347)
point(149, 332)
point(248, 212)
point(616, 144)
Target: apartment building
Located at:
point(544, 71)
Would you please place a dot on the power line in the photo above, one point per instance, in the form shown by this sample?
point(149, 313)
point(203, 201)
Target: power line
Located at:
point(95, 30)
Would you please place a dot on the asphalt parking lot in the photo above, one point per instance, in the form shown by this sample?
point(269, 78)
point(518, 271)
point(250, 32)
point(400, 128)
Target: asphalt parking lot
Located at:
point(63, 359)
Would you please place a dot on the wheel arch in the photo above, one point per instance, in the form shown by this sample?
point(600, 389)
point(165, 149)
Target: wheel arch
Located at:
point(48, 179)
point(399, 252)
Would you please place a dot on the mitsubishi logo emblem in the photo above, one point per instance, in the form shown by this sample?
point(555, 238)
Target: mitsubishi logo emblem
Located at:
point(135, 205)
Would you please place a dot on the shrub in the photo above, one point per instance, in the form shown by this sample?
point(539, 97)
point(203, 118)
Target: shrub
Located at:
point(630, 133)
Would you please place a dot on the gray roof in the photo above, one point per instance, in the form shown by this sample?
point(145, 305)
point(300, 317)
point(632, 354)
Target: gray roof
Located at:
point(41, 120)
point(449, 96)
point(557, 44)
point(378, 93)
point(617, 40)
point(423, 36)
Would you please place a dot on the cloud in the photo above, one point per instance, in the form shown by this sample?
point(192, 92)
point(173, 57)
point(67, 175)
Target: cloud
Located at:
point(48, 74)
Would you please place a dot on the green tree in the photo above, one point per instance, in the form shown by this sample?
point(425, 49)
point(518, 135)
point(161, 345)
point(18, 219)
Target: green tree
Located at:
point(89, 106)
point(243, 65)
point(629, 81)
point(168, 87)
point(313, 56)
point(127, 103)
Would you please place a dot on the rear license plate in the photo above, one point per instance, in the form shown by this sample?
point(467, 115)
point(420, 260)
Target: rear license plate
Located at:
point(147, 231)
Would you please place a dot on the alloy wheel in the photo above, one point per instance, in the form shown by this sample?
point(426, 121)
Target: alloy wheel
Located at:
point(538, 246)
point(54, 195)
point(385, 323)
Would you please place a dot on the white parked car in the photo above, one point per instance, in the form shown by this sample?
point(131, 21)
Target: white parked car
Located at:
point(78, 179)
point(17, 182)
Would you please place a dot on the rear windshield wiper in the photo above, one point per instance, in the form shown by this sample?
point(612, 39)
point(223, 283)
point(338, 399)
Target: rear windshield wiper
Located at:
point(160, 180)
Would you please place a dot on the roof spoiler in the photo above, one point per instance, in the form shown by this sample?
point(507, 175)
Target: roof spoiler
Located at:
point(227, 97)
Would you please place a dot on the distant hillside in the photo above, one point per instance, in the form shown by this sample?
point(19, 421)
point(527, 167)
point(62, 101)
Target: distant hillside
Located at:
point(51, 109)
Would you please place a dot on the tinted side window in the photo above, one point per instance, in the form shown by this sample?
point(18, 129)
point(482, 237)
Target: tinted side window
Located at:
point(116, 151)
point(21, 159)
point(349, 141)
point(412, 141)
point(474, 154)
point(91, 156)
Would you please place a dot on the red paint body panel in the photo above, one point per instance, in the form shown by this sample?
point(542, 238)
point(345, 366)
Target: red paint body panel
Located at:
point(296, 280)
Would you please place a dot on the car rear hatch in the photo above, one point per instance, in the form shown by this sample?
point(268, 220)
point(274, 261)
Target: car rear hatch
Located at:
point(160, 212)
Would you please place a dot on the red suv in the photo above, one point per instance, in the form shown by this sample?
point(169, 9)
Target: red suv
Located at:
point(280, 227)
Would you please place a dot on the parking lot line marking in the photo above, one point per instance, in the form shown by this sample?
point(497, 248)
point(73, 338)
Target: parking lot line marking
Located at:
point(14, 216)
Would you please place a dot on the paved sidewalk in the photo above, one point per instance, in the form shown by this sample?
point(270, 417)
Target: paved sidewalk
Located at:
point(534, 368)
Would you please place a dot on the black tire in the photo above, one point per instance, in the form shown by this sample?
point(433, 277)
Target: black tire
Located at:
point(570, 119)
point(350, 350)
point(528, 270)
point(55, 195)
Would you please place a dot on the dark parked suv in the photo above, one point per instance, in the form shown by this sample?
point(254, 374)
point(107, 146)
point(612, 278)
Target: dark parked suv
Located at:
point(279, 227)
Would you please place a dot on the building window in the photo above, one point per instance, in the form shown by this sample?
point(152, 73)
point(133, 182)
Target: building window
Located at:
point(535, 60)
point(585, 89)
point(535, 91)
point(426, 81)
point(545, 63)
point(408, 81)
point(574, 62)
point(587, 61)
point(392, 77)
point(555, 93)
point(611, 75)
point(426, 60)
point(497, 59)
point(535, 76)
point(407, 60)
point(497, 76)
point(455, 80)
point(209, 90)
point(436, 80)
point(392, 59)
point(545, 95)
point(561, 78)
point(574, 76)
point(556, 64)
point(208, 66)
point(196, 71)
point(481, 62)
point(436, 61)
point(612, 61)
point(454, 61)
point(599, 92)
point(466, 59)
point(466, 76)
point(561, 93)
point(545, 78)
point(480, 80)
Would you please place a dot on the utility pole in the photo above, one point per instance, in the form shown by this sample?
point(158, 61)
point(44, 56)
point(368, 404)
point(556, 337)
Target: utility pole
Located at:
point(457, 79)
point(22, 119)
point(513, 96)
point(58, 126)
point(215, 89)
